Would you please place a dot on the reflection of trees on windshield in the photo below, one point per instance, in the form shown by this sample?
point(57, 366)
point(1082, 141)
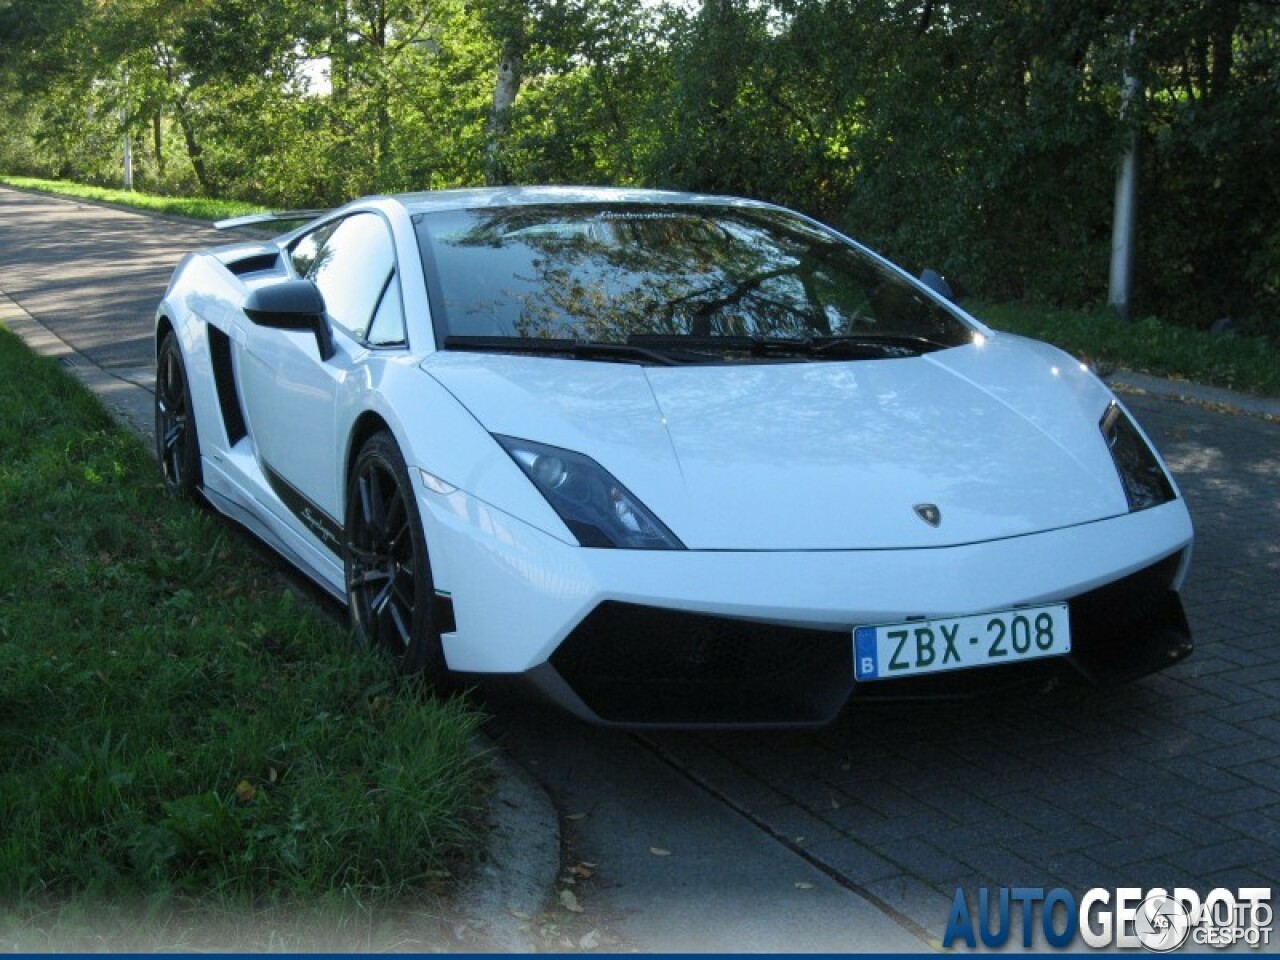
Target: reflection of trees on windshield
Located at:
point(607, 274)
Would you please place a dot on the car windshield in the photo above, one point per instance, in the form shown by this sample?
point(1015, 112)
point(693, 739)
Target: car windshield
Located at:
point(649, 282)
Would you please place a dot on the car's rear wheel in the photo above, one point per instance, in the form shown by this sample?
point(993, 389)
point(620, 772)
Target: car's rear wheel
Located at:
point(390, 591)
point(177, 445)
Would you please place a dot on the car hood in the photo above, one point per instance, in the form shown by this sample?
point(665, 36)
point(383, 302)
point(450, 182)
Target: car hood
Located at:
point(1001, 437)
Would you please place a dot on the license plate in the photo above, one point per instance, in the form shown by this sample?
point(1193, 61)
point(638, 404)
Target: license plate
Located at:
point(956, 643)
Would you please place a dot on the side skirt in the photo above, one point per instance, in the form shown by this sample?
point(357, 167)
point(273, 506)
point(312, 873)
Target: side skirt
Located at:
point(322, 526)
point(229, 498)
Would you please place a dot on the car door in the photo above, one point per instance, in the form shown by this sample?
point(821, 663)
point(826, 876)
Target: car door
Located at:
point(291, 395)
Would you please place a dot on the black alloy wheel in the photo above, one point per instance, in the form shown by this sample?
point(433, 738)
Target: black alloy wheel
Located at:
point(389, 587)
point(177, 445)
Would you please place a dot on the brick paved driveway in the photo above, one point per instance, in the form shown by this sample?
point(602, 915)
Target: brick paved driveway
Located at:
point(1172, 781)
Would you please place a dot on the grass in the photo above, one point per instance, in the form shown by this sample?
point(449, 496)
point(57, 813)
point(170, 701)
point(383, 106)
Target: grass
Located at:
point(183, 739)
point(198, 208)
point(1250, 364)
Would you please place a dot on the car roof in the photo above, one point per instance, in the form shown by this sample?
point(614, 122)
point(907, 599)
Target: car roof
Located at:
point(471, 198)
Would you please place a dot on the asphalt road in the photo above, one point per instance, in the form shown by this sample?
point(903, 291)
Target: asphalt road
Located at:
point(777, 841)
point(93, 275)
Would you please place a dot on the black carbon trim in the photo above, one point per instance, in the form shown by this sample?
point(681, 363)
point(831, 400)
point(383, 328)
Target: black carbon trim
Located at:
point(631, 665)
point(443, 614)
point(224, 379)
point(322, 526)
point(636, 664)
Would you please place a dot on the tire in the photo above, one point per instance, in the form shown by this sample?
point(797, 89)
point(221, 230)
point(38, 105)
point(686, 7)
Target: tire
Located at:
point(390, 592)
point(177, 444)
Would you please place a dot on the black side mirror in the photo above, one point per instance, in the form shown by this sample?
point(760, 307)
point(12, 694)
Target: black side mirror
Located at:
point(937, 283)
point(292, 305)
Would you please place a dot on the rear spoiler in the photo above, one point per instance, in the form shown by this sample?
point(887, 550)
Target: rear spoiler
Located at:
point(253, 219)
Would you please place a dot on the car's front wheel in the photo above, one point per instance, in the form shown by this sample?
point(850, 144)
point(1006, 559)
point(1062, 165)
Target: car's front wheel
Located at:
point(177, 446)
point(390, 591)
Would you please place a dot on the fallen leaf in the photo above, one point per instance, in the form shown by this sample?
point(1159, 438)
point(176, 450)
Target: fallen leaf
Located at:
point(520, 914)
point(569, 901)
point(835, 804)
point(575, 816)
point(659, 852)
point(802, 885)
point(582, 870)
point(245, 791)
point(590, 941)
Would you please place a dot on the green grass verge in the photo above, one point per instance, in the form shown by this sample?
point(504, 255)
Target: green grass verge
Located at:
point(1251, 364)
point(197, 208)
point(178, 730)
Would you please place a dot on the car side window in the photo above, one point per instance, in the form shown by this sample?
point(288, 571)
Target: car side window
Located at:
point(306, 249)
point(387, 329)
point(353, 264)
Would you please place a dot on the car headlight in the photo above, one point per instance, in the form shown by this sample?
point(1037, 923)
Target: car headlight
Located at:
point(596, 508)
point(1144, 480)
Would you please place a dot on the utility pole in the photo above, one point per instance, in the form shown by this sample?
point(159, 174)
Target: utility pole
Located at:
point(1122, 224)
point(128, 150)
point(126, 141)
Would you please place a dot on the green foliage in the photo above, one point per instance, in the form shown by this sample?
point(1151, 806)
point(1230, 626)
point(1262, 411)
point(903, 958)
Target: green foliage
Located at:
point(177, 725)
point(1240, 362)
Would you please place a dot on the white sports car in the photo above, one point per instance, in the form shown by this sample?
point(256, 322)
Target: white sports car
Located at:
point(672, 459)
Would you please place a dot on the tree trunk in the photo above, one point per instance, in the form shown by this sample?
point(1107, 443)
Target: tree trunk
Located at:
point(194, 150)
point(156, 141)
point(1222, 50)
point(510, 72)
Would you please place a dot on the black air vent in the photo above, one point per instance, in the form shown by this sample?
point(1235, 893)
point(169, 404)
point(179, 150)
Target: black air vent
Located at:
point(228, 399)
point(254, 264)
point(636, 664)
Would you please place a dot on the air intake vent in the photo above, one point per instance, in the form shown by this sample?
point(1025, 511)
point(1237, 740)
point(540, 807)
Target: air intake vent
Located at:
point(256, 263)
point(635, 664)
point(228, 399)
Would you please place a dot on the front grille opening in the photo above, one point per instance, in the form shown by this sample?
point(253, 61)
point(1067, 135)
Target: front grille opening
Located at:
point(635, 664)
point(1132, 627)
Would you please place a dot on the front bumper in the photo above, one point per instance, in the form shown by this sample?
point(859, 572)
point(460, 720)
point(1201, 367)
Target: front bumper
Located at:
point(757, 638)
point(631, 665)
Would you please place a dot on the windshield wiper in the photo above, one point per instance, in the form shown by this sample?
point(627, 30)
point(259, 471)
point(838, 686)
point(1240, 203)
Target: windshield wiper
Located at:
point(669, 350)
point(754, 345)
point(868, 345)
point(582, 349)
point(876, 344)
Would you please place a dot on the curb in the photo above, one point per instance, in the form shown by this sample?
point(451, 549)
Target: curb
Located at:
point(503, 897)
point(511, 883)
point(1129, 381)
